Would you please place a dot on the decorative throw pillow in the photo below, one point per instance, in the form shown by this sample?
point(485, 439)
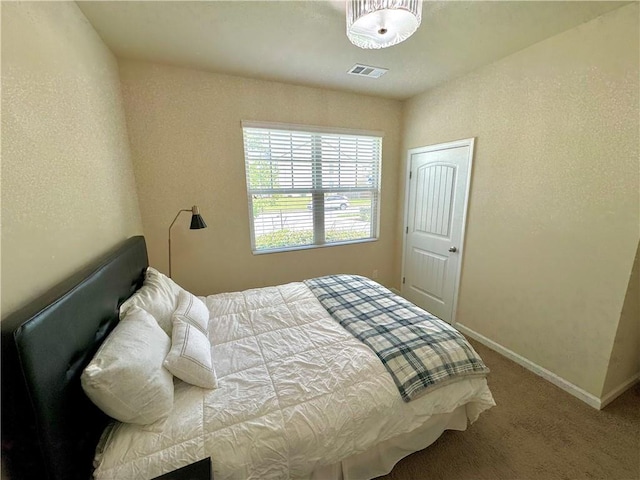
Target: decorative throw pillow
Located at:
point(190, 356)
point(192, 310)
point(158, 296)
point(126, 378)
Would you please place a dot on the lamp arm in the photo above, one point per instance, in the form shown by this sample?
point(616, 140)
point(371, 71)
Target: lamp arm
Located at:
point(170, 227)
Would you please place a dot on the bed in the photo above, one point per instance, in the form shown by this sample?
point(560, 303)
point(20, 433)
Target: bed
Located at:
point(296, 394)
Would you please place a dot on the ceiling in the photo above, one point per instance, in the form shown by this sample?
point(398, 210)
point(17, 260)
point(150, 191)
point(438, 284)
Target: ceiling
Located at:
point(304, 42)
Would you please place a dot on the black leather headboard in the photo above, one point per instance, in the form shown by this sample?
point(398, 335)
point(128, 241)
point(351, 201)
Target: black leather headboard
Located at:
point(50, 429)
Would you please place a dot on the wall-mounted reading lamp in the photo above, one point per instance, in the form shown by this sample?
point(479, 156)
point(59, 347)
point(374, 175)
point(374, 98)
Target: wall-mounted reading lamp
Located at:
point(196, 223)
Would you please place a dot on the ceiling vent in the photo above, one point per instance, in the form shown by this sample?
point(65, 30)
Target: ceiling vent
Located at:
point(367, 71)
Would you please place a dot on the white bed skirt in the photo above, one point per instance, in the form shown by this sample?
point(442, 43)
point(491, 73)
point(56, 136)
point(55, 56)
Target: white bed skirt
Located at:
point(381, 459)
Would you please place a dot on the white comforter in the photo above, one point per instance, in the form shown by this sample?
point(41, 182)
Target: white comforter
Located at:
point(296, 392)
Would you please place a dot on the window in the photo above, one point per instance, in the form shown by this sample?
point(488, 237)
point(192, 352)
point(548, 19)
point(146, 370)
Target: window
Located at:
point(309, 187)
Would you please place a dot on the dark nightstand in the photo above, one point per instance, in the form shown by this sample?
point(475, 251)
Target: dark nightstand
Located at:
point(196, 471)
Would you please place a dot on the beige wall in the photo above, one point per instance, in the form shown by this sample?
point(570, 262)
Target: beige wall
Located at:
point(625, 355)
point(186, 141)
point(553, 217)
point(68, 191)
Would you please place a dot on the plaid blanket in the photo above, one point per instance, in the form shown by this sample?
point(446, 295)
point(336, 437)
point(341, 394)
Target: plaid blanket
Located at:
point(420, 351)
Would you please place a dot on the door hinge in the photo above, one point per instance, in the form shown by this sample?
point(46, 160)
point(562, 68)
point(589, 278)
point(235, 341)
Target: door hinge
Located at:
point(410, 174)
point(403, 280)
point(407, 230)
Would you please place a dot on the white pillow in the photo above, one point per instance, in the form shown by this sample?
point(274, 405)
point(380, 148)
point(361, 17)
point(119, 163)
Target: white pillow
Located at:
point(126, 378)
point(190, 356)
point(192, 310)
point(158, 296)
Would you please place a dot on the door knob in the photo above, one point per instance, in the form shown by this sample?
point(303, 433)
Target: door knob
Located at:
point(453, 249)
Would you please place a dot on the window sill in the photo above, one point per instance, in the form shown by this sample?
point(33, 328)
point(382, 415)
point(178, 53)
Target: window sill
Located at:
point(309, 247)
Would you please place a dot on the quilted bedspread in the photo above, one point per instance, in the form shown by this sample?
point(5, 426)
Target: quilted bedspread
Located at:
point(295, 392)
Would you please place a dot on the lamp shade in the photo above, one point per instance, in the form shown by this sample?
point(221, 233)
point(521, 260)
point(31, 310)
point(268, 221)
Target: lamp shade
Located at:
point(382, 23)
point(197, 222)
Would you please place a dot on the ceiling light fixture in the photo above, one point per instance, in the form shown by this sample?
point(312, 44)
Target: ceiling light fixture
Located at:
point(382, 23)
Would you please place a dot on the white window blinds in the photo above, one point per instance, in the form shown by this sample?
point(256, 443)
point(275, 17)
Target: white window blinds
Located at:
point(310, 188)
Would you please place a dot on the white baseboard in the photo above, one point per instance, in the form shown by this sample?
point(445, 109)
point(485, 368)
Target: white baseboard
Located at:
point(397, 292)
point(619, 390)
point(560, 382)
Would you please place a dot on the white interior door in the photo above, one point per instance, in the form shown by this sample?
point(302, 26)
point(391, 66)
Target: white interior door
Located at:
point(436, 205)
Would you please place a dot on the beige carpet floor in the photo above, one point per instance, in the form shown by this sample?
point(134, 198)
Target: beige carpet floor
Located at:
point(536, 431)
